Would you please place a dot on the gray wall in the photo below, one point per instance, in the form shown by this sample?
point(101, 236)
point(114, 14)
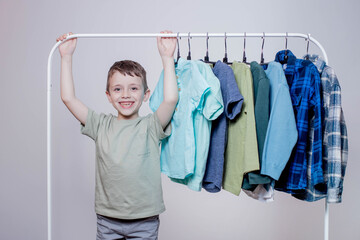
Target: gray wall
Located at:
point(28, 32)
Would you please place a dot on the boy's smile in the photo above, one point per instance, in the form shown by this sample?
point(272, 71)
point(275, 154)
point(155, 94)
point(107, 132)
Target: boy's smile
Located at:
point(126, 94)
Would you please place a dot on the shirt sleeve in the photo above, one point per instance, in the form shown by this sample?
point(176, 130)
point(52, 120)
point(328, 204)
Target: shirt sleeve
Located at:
point(156, 128)
point(213, 104)
point(235, 99)
point(281, 135)
point(336, 164)
point(92, 124)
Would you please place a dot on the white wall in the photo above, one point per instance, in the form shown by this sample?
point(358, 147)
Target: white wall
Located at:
point(28, 32)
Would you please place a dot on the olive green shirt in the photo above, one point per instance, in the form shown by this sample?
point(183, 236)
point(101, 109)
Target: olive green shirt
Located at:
point(128, 181)
point(241, 154)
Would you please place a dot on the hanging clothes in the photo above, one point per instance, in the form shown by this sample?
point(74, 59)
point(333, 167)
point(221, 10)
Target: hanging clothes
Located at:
point(233, 101)
point(335, 141)
point(178, 151)
point(199, 102)
point(210, 110)
point(281, 134)
point(261, 101)
point(305, 84)
point(262, 192)
point(241, 153)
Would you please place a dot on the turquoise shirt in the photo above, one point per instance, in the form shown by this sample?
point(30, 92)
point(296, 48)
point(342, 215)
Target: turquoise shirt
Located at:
point(200, 100)
point(281, 135)
point(211, 108)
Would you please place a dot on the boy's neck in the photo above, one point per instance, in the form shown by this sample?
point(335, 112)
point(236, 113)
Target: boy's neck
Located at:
point(122, 117)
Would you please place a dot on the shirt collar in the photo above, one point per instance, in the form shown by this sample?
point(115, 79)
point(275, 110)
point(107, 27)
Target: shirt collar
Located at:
point(181, 63)
point(317, 60)
point(280, 56)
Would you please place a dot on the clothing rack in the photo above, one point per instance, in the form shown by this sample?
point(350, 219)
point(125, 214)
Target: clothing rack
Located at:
point(152, 35)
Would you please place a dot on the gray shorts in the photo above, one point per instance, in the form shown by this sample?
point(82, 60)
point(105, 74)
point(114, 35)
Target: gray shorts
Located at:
point(119, 229)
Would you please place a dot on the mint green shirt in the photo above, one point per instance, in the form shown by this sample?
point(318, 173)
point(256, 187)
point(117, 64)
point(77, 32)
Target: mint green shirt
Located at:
point(184, 153)
point(128, 181)
point(211, 108)
point(241, 155)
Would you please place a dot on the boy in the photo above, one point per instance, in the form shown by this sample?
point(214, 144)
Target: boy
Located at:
point(128, 195)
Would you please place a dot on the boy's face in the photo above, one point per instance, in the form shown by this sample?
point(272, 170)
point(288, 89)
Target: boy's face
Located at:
point(126, 94)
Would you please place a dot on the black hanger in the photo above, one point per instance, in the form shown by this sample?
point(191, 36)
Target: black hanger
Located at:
point(225, 59)
point(206, 58)
point(286, 56)
point(307, 47)
point(244, 54)
point(262, 50)
point(178, 50)
point(189, 54)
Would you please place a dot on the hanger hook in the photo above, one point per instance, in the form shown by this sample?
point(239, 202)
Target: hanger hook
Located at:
point(286, 48)
point(244, 54)
point(178, 45)
point(225, 59)
point(262, 48)
point(206, 58)
point(307, 46)
point(189, 54)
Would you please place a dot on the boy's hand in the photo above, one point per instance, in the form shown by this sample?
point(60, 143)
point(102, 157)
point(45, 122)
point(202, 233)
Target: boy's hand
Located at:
point(68, 47)
point(166, 45)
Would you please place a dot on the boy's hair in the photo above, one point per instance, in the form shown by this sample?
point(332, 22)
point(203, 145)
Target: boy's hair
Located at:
point(127, 67)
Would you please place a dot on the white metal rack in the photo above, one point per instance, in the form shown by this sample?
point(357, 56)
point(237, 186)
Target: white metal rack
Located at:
point(152, 35)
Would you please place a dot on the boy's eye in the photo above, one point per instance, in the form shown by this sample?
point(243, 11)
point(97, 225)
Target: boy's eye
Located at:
point(117, 89)
point(134, 88)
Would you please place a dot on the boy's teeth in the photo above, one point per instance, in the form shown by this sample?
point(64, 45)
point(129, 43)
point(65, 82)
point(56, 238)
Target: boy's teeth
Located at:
point(126, 104)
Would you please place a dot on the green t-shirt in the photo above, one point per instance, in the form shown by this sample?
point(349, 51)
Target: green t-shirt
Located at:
point(128, 181)
point(241, 155)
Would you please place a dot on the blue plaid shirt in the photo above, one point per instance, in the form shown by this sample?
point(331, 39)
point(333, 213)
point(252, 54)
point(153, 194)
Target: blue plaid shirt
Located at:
point(335, 141)
point(304, 82)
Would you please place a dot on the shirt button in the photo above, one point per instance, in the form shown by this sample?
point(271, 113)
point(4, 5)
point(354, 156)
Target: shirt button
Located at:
point(177, 77)
point(179, 89)
point(176, 109)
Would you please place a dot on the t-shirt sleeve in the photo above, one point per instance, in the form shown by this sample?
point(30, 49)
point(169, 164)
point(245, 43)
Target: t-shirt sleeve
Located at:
point(156, 128)
point(234, 98)
point(213, 104)
point(92, 124)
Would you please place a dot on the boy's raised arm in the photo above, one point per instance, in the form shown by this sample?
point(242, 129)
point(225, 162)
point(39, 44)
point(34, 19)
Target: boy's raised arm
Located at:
point(67, 90)
point(166, 48)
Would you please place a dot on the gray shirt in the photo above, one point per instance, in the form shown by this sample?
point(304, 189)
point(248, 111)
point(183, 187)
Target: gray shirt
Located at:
point(128, 181)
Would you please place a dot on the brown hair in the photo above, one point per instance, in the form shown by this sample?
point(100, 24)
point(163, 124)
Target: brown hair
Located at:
point(127, 67)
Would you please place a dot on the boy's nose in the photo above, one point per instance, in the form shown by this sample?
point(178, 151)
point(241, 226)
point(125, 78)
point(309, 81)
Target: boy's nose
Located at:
point(125, 94)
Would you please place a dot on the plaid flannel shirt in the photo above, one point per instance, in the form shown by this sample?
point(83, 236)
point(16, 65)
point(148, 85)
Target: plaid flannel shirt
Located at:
point(305, 89)
point(335, 140)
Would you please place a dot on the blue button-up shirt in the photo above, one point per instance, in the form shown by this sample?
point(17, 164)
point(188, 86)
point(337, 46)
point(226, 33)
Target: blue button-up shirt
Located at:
point(304, 82)
point(335, 141)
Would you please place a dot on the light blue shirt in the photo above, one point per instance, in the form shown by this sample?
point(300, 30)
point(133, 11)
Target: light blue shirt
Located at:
point(184, 153)
point(281, 135)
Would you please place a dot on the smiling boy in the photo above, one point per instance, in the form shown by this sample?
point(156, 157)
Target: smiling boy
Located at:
point(128, 193)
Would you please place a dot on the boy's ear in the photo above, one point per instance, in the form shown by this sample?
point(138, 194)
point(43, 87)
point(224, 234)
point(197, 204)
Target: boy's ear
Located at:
point(108, 96)
point(146, 95)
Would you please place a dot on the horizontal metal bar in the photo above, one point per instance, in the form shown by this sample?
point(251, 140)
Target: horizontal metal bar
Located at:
point(152, 35)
